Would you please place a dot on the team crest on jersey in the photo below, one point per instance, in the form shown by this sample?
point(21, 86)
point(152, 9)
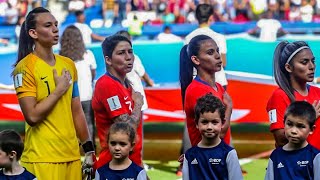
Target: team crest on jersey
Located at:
point(17, 79)
point(214, 161)
point(114, 103)
point(273, 116)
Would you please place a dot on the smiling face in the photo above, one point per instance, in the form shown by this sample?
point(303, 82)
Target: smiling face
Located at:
point(122, 59)
point(119, 145)
point(297, 130)
point(302, 68)
point(46, 31)
point(208, 58)
point(210, 125)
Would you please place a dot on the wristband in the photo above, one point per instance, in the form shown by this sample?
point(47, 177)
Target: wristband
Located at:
point(88, 146)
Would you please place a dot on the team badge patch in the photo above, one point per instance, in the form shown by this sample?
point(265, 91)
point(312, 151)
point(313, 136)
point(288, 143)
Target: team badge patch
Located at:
point(273, 116)
point(114, 103)
point(17, 80)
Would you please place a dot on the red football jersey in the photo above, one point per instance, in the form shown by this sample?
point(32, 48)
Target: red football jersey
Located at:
point(111, 99)
point(194, 91)
point(278, 103)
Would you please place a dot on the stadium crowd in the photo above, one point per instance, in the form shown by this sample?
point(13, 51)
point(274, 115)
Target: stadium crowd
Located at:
point(172, 11)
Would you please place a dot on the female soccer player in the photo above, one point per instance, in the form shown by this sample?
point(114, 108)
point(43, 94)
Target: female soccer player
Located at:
point(294, 67)
point(46, 86)
point(113, 98)
point(202, 53)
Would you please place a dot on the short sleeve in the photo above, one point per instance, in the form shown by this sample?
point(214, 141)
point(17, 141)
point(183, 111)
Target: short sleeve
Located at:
point(276, 107)
point(97, 176)
point(142, 175)
point(261, 23)
point(115, 100)
point(234, 170)
point(24, 81)
point(269, 173)
point(185, 169)
point(91, 59)
point(316, 166)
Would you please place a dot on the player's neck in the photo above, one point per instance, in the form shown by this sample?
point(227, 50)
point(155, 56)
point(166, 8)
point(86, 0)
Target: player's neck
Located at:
point(120, 164)
point(294, 146)
point(15, 169)
point(209, 142)
point(209, 78)
point(301, 88)
point(45, 54)
point(118, 76)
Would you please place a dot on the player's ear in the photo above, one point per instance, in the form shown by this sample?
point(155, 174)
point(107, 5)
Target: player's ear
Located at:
point(132, 146)
point(12, 154)
point(195, 60)
point(108, 60)
point(32, 33)
point(312, 129)
point(288, 67)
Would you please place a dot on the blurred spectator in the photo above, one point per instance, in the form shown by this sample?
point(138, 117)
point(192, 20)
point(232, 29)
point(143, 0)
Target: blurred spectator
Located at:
point(167, 36)
point(273, 6)
point(121, 7)
point(294, 14)
point(306, 11)
point(179, 18)
point(241, 7)
point(86, 31)
point(135, 27)
point(76, 5)
point(220, 11)
point(257, 7)
point(268, 28)
point(168, 17)
point(284, 9)
point(108, 12)
point(11, 14)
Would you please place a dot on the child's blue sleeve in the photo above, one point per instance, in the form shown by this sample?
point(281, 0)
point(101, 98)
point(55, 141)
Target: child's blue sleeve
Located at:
point(316, 166)
point(185, 169)
point(269, 173)
point(97, 176)
point(234, 169)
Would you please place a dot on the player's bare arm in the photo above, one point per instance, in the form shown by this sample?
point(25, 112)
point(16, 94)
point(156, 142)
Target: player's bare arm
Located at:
point(35, 112)
point(279, 137)
point(134, 118)
point(228, 103)
point(79, 120)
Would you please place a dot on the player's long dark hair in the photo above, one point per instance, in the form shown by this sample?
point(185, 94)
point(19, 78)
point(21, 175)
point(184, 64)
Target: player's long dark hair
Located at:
point(281, 55)
point(186, 64)
point(26, 43)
